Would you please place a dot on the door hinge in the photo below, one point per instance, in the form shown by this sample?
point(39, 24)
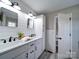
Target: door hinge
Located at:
point(70, 18)
point(26, 55)
point(70, 34)
point(70, 50)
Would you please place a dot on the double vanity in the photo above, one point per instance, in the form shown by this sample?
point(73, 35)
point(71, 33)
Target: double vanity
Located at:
point(19, 49)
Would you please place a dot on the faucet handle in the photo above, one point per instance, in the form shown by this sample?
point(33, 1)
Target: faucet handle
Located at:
point(15, 38)
point(4, 41)
point(10, 39)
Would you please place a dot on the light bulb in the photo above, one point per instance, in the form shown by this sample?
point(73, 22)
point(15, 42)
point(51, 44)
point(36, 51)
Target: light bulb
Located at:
point(6, 2)
point(34, 17)
point(30, 14)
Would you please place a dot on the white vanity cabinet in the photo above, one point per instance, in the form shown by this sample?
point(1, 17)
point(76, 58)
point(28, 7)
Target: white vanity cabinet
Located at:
point(38, 48)
point(19, 52)
point(31, 50)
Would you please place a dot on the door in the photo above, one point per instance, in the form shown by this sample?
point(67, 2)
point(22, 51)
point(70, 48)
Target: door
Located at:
point(63, 36)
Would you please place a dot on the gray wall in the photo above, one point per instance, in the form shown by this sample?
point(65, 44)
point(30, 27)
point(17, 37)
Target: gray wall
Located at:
point(50, 16)
point(75, 29)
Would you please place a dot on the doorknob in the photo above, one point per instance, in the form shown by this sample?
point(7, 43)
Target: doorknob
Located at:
point(59, 38)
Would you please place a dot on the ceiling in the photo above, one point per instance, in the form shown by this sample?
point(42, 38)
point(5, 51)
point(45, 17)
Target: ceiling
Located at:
point(46, 6)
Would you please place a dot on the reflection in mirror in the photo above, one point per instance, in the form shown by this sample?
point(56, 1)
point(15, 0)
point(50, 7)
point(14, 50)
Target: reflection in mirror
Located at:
point(30, 23)
point(8, 18)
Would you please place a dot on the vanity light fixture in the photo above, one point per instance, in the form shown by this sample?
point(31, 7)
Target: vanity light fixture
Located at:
point(6, 2)
point(34, 17)
point(31, 15)
point(16, 5)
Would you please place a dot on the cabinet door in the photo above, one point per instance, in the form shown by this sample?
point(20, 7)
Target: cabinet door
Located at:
point(31, 50)
point(42, 43)
point(39, 24)
point(38, 48)
point(15, 52)
point(21, 56)
point(6, 56)
point(31, 53)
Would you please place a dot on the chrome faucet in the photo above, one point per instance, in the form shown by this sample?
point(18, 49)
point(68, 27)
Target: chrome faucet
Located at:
point(12, 39)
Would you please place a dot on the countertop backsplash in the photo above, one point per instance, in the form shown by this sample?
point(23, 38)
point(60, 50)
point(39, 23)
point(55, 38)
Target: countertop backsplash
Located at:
point(6, 32)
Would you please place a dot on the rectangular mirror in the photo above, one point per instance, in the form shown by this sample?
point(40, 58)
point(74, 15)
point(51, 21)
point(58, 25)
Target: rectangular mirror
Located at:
point(30, 23)
point(8, 18)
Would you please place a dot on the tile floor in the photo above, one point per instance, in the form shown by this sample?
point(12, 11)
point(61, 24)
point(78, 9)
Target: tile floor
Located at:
point(53, 56)
point(47, 55)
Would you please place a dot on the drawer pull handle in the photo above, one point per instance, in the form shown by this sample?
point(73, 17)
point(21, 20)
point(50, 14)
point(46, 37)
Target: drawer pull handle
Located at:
point(26, 55)
point(32, 51)
point(31, 44)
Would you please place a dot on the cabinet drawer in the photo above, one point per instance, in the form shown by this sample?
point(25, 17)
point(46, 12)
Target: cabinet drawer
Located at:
point(31, 53)
point(6, 56)
point(31, 45)
point(31, 50)
point(19, 50)
point(23, 55)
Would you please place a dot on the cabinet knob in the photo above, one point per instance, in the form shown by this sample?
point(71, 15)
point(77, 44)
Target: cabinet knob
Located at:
point(59, 38)
point(26, 55)
point(31, 44)
point(12, 58)
point(32, 51)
